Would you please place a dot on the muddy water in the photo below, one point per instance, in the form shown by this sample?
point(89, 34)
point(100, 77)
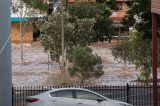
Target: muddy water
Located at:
point(34, 69)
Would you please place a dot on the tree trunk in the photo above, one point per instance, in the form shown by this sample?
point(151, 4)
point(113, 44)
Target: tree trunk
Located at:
point(82, 82)
point(59, 63)
point(62, 35)
point(21, 32)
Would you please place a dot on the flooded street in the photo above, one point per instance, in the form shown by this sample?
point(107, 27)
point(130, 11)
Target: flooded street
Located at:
point(114, 73)
point(33, 70)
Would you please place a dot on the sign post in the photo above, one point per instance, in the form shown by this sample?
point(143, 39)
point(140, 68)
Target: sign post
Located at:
point(5, 55)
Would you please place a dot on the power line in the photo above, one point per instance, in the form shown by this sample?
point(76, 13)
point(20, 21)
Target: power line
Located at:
point(5, 44)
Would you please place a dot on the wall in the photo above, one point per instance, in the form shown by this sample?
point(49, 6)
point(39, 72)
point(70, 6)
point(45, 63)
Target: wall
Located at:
point(155, 6)
point(5, 55)
point(117, 16)
point(28, 35)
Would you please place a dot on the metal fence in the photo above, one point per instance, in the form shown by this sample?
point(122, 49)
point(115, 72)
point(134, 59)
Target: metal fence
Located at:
point(136, 94)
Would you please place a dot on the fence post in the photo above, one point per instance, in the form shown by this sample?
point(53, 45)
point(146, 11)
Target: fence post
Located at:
point(12, 95)
point(128, 94)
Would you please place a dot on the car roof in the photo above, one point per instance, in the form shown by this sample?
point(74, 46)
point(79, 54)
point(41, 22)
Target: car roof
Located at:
point(71, 88)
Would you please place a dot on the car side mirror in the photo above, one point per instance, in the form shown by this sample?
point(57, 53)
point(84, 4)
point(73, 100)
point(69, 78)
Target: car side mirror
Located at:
point(99, 100)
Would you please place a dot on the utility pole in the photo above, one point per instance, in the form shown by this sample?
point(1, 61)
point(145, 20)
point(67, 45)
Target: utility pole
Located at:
point(5, 54)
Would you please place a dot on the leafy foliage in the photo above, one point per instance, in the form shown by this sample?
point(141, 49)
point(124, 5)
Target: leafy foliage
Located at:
point(101, 13)
point(51, 34)
point(139, 17)
point(122, 51)
point(141, 52)
point(36, 4)
point(83, 29)
point(112, 4)
point(76, 32)
point(137, 52)
point(85, 64)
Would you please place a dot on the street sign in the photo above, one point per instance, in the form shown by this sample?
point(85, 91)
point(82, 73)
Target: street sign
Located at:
point(155, 6)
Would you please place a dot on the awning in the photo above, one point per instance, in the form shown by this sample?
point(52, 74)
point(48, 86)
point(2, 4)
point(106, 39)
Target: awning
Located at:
point(17, 19)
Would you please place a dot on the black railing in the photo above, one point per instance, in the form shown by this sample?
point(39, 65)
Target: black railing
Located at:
point(136, 94)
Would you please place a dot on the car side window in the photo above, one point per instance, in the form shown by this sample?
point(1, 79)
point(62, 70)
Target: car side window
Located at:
point(80, 94)
point(62, 93)
point(53, 94)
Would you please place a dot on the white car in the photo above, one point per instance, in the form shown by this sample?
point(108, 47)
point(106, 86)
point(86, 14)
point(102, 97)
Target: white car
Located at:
point(72, 97)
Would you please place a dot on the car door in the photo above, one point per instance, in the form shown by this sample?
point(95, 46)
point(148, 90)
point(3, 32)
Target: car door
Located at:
point(86, 98)
point(62, 98)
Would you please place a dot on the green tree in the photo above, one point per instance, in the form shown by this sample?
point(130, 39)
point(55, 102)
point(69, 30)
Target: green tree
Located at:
point(85, 64)
point(139, 17)
point(122, 52)
point(36, 4)
point(141, 52)
point(112, 4)
point(76, 32)
point(101, 13)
